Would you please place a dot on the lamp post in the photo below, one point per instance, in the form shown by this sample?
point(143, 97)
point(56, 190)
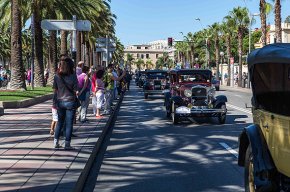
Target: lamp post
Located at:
point(251, 16)
point(196, 64)
point(222, 60)
point(206, 49)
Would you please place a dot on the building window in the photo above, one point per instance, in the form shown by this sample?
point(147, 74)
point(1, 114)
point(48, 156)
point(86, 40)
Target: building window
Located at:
point(142, 56)
point(156, 56)
point(146, 47)
point(138, 55)
point(147, 56)
point(138, 47)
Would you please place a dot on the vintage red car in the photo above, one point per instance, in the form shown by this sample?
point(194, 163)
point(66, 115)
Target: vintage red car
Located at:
point(192, 94)
point(156, 82)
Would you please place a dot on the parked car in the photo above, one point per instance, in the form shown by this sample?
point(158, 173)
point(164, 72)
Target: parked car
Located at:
point(264, 146)
point(215, 83)
point(155, 83)
point(191, 95)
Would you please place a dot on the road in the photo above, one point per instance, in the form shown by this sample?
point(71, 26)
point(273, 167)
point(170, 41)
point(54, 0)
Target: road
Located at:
point(147, 153)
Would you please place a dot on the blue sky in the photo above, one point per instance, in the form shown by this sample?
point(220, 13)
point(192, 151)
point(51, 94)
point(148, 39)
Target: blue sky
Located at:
point(142, 21)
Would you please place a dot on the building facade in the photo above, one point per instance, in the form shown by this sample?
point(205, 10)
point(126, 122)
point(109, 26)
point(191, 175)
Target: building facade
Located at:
point(149, 52)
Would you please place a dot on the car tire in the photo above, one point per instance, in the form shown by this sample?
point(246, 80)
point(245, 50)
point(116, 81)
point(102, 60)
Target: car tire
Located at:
point(146, 95)
point(223, 116)
point(175, 118)
point(249, 176)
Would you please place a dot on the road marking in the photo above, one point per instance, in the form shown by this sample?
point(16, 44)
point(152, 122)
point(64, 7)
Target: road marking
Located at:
point(239, 109)
point(232, 151)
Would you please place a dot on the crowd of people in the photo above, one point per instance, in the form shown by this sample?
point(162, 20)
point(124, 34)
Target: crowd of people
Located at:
point(73, 88)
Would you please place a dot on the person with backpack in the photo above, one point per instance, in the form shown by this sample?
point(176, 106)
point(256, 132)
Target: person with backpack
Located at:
point(109, 79)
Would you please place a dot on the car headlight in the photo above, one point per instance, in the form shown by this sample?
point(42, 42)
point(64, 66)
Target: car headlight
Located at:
point(187, 93)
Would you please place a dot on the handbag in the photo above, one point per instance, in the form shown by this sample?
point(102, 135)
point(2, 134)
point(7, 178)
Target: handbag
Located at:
point(77, 102)
point(82, 96)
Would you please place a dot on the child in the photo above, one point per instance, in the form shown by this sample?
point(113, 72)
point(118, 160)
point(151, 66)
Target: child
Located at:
point(54, 120)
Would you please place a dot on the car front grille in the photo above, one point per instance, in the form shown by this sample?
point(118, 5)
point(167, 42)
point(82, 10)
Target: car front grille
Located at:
point(199, 93)
point(157, 84)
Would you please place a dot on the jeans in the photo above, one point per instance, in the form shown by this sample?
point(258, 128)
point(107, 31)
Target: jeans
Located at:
point(84, 107)
point(66, 112)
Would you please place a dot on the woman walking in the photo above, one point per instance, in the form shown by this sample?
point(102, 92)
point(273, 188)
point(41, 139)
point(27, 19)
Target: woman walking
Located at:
point(65, 87)
point(99, 92)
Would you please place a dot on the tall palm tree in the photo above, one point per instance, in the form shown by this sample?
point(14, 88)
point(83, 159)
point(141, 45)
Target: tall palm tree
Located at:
point(263, 21)
point(182, 48)
point(278, 29)
point(241, 20)
point(149, 64)
point(215, 30)
point(139, 64)
point(17, 74)
point(189, 38)
point(130, 60)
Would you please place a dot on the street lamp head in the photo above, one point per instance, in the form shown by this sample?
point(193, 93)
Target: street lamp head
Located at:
point(198, 19)
point(196, 59)
point(222, 53)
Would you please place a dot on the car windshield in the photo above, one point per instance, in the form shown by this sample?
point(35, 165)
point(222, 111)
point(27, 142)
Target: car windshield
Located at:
point(193, 78)
point(156, 75)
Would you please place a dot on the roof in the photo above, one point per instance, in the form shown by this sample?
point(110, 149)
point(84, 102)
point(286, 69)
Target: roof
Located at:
point(272, 53)
point(190, 70)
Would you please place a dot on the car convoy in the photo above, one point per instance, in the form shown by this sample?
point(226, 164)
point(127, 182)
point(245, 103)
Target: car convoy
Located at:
point(187, 93)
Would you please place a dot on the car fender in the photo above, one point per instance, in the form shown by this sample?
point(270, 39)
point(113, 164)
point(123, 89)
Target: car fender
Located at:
point(219, 100)
point(262, 159)
point(177, 100)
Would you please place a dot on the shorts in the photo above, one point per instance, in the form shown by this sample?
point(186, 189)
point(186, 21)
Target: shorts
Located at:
point(99, 99)
point(54, 114)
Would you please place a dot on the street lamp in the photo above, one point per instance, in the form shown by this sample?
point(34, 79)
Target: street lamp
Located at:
point(222, 60)
point(196, 64)
point(251, 16)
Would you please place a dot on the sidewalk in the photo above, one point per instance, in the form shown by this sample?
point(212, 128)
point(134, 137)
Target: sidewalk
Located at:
point(236, 88)
point(28, 161)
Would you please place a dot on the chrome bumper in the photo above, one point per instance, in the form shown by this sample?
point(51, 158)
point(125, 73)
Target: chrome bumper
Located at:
point(187, 112)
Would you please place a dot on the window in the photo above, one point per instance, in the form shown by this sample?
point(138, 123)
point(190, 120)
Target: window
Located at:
point(156, 56)
point(147, 56)
point(142, 56)
point(146, 47)
point(138, 47)
point(138, 55)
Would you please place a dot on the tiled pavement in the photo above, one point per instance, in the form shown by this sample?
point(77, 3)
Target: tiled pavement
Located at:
point(28, 161)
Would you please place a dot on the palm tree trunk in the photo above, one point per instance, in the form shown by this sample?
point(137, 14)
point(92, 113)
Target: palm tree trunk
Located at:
point(263, 21)
point(52, 57)
point(229, 57)
point(278, 30)
point(240, 50)
point(38, 65)
point(17, 68)
point(217, 57)
point(78, 46)
point(87, 56)
point(63, 43)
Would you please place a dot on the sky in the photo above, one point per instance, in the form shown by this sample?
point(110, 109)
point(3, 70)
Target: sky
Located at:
point(142, 21)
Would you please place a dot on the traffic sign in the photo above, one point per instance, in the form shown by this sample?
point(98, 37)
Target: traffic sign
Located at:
point(68, 25)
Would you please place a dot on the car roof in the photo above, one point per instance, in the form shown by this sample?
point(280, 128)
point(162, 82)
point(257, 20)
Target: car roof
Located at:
point(156, 71)
point(272, 53)
point(181, 71)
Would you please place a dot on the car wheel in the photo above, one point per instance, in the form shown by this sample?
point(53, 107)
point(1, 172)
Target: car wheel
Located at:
point(249, 176)
point(174, 117)
point(146, 95)
point(223, 116)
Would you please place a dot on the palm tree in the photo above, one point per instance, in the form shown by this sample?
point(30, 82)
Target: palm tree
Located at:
point(139, 63)
point(182, 48)
point(130, 60)
point(189, 38)
point(241, 20)
point(215, 30)
point(263, 21)
point(278, 30)
point(149, 64)
point(17, 74)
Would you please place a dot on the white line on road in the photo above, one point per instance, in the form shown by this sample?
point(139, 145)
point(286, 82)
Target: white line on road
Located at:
point(230, 149)
point(239, 108)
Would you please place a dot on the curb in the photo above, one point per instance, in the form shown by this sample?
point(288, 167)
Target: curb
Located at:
point(24, 103)
point(84, 175)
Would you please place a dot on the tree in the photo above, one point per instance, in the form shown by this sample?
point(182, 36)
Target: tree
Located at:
point(241, 21)
point(278, 29)
point(287, 20)
point(17, 74)
point(139, 64)
point(189, 38)
point(215, 34)
point(265, 9)
point(130, 60)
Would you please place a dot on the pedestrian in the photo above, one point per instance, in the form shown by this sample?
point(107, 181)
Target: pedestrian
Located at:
point(65, 88)
point(79, 68)
point(99, 92)
point(128, 80)
point(28, 77)
point(84, 86)
point(54, 119)
point(109, 79)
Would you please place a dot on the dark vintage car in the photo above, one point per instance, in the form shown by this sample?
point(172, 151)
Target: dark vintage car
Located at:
point(137, 77)
point(264, 146)
point(191, 94)
point(155, 83)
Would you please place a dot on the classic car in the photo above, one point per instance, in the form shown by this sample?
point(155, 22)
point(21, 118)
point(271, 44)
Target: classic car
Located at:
point(137, 77)
point(215, 83)
point(142, 79)
point(191, 94)
point(264, 146)
point(156, 82)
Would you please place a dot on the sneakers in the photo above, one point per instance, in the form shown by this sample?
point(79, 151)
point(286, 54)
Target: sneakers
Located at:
point(56, 144)
point(98, 116)
point(68, 146)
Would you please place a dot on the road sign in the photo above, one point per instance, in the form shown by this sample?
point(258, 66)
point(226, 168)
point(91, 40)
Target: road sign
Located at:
point(68, 25)
point(231, 60)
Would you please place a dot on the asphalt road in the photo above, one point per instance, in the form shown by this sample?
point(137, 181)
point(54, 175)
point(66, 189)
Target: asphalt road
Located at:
point(147, 153)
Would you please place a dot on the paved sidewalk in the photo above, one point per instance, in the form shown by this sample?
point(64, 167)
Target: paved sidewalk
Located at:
point(28, 161)
point(236, 88)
